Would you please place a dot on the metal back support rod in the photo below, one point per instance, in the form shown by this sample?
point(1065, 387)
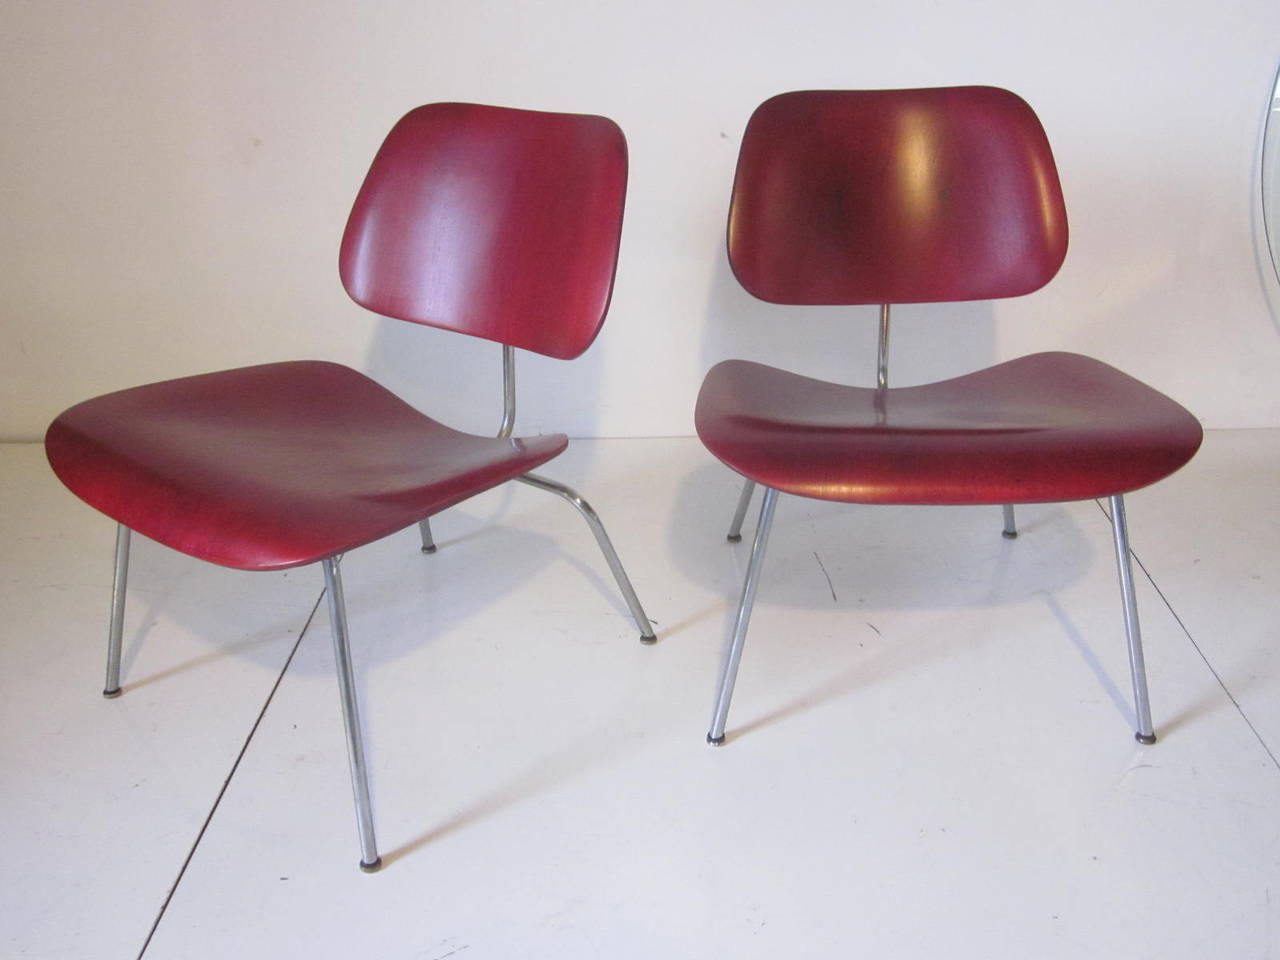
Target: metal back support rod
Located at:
point(508, 391)
point(572, 496)
point(882, 383)
point(882, 351)
point(504, 431)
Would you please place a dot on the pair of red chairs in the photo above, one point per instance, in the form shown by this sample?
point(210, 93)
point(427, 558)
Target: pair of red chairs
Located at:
point(504, 224)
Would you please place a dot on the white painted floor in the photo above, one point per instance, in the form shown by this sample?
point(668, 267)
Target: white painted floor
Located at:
point(930, 747)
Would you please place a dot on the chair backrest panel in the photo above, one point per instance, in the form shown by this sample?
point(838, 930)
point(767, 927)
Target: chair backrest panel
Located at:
point(895, 196)
point(502, 224)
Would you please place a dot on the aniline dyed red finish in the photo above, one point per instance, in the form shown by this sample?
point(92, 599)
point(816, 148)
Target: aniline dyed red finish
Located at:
point(902, 196)
point(895, 196)
point(274, 466)
point(1049, 427)
point(499, 223)
point(503, 224)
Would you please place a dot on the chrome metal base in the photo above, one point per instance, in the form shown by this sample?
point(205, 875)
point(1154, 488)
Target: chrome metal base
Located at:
point(720, 714)
point(1145, 733)
point(115, 634)
point(606, 547)
point(1010, 531)
point(428, 542)
point(1137, 664)
point(369, 859)
point(740, 512)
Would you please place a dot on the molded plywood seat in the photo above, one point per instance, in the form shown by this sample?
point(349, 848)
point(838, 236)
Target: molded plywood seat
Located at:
point(910, 196)
point(495, 223)
point(1049, 427)
point(274, 466)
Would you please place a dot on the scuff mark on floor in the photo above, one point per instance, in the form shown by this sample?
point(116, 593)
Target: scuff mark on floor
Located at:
point(834, 599)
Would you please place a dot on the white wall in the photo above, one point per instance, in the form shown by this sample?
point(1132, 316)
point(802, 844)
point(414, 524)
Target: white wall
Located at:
point(175, 177)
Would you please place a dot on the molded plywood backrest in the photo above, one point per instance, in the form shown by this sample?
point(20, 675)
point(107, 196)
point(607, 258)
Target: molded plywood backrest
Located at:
point(502, 224)
point(895, 196)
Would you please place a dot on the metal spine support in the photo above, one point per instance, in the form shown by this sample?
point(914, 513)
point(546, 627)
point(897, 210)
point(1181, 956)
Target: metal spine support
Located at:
point(882, 351)
point(568, 493)
point(606, 547)
point(115, 637)
point(720, 714)
point(508, 391)
point(1137, 665)
point(369, 859)
point(504, 431)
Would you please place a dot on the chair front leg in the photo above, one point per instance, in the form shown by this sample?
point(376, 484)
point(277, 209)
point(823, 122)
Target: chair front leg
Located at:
point(740, 514)
point(1137, 665)
point(729, 677)
point(606, 547)
point(1010, 526)
point(369, 859)
point(428, 542)
point(115, 637)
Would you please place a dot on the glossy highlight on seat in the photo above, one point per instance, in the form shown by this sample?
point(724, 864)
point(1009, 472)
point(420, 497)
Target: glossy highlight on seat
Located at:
point(499, 223)
point(1049, 427)
point(274, 466)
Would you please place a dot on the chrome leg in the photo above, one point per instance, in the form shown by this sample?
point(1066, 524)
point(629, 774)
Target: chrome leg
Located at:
point(1137, 666)
point(428, 544)
point(606, 547)
point(369, 859)
point(744, 501)
point(115, 637)
point(1010, 528)
point(730, 675)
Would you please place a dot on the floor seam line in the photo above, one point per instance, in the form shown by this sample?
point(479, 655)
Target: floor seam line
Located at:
point(1221, 683)
point(230, 775)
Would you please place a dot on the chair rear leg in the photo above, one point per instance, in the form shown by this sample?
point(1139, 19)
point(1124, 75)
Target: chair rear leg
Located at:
point(1010, 527)
point(116, 634)
point(606, 547)
point(428, 542)
point(740, 514)
point(1137, 665)
point(729, 677)
point(369, 859)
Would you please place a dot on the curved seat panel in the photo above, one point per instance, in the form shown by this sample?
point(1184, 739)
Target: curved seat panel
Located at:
point(1043, 428)
point(274, 466)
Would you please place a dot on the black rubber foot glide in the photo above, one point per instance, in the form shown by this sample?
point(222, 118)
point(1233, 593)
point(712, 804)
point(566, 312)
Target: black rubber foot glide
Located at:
point(371, 867)
point(648, 638)
point(1143, 738)
point(716, 741)
point(1009, 534)
point(734, 538)
point(430, 549)
point(111, 694)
